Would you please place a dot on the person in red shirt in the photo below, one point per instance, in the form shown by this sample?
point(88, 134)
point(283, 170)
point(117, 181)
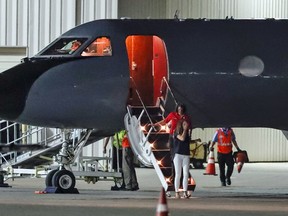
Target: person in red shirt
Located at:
point(172, 120)
point(225, 139)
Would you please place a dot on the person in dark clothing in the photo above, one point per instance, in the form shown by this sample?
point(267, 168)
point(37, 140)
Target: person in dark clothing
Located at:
point(225, 139)
point(129, 173)
point(182, 157)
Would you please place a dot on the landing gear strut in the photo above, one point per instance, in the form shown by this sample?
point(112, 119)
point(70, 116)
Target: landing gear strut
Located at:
point(62, 180)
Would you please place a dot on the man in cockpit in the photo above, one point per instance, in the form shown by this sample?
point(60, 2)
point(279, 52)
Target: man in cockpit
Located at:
point(75, 45)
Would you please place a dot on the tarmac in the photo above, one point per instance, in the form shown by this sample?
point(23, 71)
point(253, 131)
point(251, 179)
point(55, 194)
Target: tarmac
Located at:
point(260, 189)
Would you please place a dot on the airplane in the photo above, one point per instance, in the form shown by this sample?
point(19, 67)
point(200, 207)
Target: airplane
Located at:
point(227, 72)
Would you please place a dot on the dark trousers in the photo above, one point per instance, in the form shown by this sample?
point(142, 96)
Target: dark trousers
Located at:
point(171, 143)
point(225, 159)
point(128, 168)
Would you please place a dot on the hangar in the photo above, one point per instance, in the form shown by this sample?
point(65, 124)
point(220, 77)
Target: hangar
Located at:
point(28, 26)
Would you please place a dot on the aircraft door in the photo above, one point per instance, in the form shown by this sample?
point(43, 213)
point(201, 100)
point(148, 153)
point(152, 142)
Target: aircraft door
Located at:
point(148, 66)
point(140, 52)
point(160, 67)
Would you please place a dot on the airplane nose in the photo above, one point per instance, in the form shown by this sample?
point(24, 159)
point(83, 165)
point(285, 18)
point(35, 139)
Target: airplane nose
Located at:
point(15, 84)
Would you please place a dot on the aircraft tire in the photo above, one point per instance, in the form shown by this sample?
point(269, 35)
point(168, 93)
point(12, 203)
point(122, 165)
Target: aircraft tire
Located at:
point(64, 180)
point(119, 182)
point(48, 179)
point(198, 164)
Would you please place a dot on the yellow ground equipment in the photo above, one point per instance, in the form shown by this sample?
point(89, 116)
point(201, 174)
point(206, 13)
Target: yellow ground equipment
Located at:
point(198, 153)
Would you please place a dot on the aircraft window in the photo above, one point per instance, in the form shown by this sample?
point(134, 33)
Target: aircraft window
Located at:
point(65, 46)
point(100, 47)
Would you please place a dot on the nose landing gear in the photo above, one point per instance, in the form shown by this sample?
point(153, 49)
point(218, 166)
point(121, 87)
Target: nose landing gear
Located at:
point(62, 180)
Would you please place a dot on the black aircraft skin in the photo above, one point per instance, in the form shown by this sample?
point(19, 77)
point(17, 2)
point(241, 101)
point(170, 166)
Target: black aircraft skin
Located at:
point(206, 60)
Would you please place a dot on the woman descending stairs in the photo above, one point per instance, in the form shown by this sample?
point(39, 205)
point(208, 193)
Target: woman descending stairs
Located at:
point(150, 144)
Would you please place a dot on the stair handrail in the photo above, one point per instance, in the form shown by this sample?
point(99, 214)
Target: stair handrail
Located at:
point(22, 136)
point(44, 140)
point(27, 133)
point(144, 109)
point(7, 127)
point(3, 157)
point(164, 80)
point(142, 103)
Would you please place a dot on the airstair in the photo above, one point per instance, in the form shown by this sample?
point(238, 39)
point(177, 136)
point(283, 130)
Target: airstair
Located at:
point(150, 144)
point(50, 144)
point(48, 139)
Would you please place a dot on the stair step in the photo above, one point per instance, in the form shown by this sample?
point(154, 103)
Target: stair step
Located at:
point(166, 150)
point(145, 120)
point(163, 158)
point(158, 129)
point(172, 188)
point(160, 141)
point(191, 187)
point(151, 110)
point(167, 171)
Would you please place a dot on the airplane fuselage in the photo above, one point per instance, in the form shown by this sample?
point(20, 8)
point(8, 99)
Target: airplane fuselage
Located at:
point(227, 72)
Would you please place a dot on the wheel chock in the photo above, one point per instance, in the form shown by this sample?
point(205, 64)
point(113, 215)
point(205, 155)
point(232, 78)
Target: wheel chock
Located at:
point(40, 192)
point(58, 190)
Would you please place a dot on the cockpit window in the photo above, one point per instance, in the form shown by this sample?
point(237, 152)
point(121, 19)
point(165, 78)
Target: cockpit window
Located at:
point(65, 46)
point(100, 47)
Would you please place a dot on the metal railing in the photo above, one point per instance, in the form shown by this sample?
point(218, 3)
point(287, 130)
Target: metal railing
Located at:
point(20, 134)
point(164, 83)
point(24, 134)
point(141, 101)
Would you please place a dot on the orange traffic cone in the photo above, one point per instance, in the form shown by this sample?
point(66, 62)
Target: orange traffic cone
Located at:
point(162, 208)
point(241, 158)
point(210, 169)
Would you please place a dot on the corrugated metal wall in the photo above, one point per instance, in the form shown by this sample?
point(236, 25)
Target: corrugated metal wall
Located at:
point(220, 9)
point(35, 23)
point(97, 9)
point(10, 56)
point(213, 9)
point(262, 144)
point(140, 9)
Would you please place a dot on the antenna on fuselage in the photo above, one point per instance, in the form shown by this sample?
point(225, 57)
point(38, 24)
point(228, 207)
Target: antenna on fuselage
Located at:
point(176, 15)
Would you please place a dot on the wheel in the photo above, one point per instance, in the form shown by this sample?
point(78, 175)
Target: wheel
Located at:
point(119, 182)
point(64, 180)
point(48, 180)
point(198, 164)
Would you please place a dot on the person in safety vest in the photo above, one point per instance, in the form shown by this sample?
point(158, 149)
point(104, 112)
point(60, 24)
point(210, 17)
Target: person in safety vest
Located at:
point(225, 139)
point(172, 119)
point(116, 140)
point(129, 173)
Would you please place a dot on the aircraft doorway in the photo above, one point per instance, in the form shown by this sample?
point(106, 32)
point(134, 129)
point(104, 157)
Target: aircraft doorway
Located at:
point(147, 65)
